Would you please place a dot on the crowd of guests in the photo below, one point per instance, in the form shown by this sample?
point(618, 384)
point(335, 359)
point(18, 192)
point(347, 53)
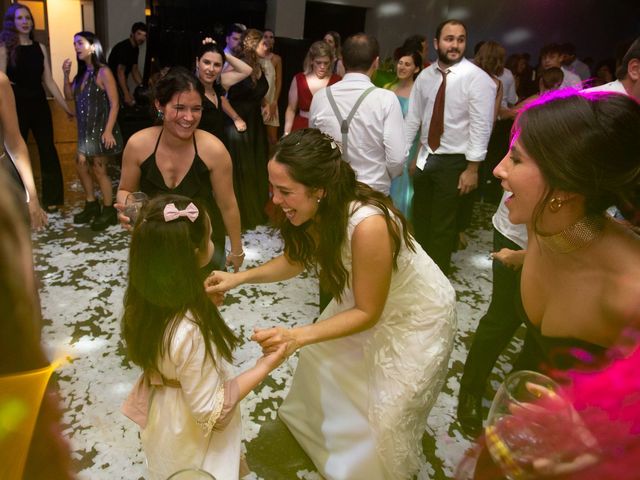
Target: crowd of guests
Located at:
point(371, 188)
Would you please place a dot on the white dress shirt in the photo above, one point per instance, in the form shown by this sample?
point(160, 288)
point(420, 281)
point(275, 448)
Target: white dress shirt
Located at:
point(509, 95)
point(580, 68)
point(468, 109)
point(570, 79)
point(376, 134)
point(516, 233)
point(615, 86)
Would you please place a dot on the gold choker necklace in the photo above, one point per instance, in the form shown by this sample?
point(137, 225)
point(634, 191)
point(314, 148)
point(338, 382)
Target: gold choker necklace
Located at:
point(579, 235)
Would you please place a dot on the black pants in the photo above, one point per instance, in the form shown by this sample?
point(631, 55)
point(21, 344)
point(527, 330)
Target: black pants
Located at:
point(34, 115)
point(498, 325)
point(436, 201)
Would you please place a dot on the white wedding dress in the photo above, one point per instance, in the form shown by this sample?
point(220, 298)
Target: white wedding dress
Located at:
point(358, 405)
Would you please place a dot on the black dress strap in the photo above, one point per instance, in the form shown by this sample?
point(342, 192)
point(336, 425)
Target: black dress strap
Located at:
point(194, 144)
point(157, 142)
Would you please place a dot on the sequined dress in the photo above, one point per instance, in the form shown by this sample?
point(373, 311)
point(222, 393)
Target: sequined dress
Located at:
point(358, 405)
point(92, 112)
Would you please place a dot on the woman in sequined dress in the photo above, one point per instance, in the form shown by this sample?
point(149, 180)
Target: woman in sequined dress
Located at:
point(96, 96)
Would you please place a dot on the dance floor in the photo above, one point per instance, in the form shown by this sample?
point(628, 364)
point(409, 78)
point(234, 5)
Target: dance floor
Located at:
point(83, 276)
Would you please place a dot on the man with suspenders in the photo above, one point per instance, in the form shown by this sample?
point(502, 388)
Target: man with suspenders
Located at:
point(366, 120)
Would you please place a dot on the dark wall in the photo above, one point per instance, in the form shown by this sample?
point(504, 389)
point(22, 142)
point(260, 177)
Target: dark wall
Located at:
point(596, 27)
point(322, 17)
point(177, 26)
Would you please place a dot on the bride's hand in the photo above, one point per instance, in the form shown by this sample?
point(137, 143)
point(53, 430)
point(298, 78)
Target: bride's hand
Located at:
point(270, 339)
point(218, 283)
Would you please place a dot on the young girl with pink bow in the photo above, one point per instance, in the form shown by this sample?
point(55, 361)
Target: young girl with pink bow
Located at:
point(185, 401)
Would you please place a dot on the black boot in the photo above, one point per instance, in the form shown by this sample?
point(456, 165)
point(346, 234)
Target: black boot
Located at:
point(108, 216)
point(91, 209)
point(470, 413)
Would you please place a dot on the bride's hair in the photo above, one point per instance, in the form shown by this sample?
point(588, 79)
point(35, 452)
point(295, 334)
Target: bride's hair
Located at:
point(314, 160)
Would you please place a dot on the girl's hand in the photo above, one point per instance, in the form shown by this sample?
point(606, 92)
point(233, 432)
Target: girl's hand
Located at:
point(125, 222)
point(66, 67)
point(272, 360)
point(70, 114)
point(241, 126)
point(108, 140)
point(271, 339)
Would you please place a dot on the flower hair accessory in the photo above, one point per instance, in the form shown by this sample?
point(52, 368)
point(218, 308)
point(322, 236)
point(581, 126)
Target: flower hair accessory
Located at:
point(331, 141)
point(171, 212)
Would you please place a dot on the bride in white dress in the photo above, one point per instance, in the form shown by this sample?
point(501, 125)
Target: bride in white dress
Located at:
point(372, 366)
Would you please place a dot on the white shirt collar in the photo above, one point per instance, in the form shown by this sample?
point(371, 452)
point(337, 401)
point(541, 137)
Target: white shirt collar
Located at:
point(356, 77)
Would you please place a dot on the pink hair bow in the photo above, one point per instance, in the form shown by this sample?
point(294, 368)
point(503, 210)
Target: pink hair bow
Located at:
point(171, 212)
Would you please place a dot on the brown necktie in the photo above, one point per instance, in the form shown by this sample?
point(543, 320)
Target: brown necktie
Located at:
point(436, 127)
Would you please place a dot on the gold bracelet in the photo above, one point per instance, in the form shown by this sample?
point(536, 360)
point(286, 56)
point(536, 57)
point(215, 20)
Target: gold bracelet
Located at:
point(239, 255)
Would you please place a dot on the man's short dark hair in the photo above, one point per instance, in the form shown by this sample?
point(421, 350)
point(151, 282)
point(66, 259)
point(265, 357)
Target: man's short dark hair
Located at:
point(632, 54)
point(451, 21)
point(359, 51)
point(552, 78)
point(551, 49)
point(139, 27)
point(234, 28)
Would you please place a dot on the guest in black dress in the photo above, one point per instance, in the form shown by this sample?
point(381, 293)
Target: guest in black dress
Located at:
point(209, 70)
point(26, 63)
point(249, 149)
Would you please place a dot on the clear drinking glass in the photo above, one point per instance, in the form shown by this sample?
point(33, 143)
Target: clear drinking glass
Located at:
point(530, 422)
point(191, 474)
point(133, 204)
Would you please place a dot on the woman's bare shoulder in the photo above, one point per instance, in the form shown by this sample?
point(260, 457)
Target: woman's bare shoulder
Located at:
point(210, 148)
point(142, 143)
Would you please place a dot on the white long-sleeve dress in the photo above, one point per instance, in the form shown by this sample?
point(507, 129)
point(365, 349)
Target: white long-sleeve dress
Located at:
point(358, 405)
point(191, 420)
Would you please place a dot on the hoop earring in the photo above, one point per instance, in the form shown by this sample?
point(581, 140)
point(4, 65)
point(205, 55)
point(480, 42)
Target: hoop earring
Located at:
point(555, 204)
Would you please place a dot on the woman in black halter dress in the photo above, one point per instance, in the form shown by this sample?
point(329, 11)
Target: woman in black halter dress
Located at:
point(178, 158)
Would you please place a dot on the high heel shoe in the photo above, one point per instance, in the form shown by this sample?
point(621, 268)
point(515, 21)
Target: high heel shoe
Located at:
point(88, 213)
point(108, 216)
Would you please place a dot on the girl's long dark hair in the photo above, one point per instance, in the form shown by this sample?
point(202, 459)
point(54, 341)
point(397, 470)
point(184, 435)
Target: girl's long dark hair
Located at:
point(9, 35)
point(313, 159)
point(164, 283)
point(97, 57)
